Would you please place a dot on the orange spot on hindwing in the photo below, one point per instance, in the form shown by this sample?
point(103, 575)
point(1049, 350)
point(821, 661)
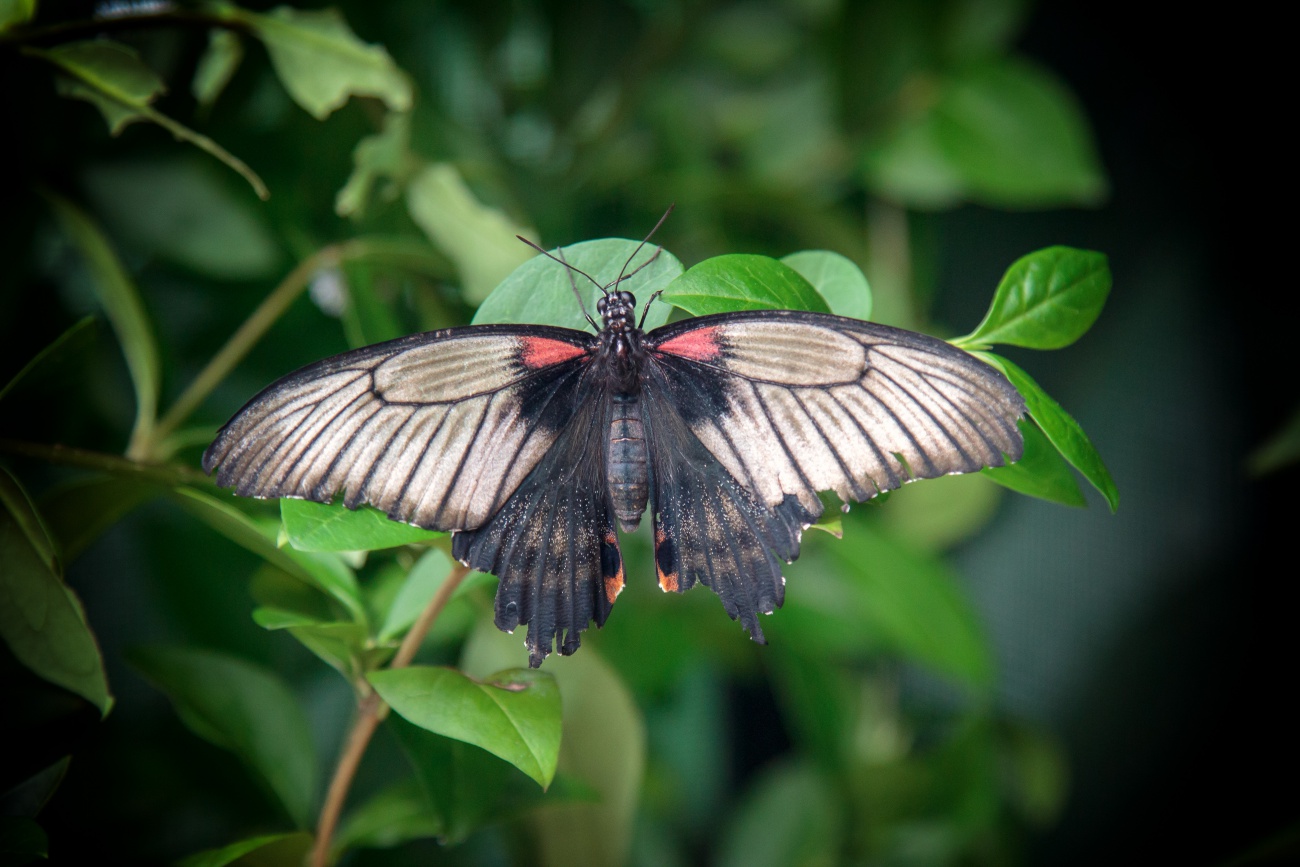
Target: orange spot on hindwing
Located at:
point(702, 344)
point(539, 352)
point(666, 561)
point(611, 566)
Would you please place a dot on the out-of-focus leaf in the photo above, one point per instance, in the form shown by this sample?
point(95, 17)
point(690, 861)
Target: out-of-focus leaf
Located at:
point(836, 278)
point(1278, 452)
point(1046, 300)
point(176, 209)
point(30, 796)
point(1041, 472)
point(15, 12)
point(1018, 137)
point(1061, 429)
point(392, 817)
point(217, 65)
point(322, 570)
point(819, 700)
point(936, 514)
point(604, 745)
point(1002, 132)
point(791, 815)
point(541, 291)
point(321, 62)
point(423, 581)
point(742, 281)
point(122, 303)
point(243, 708)
point(480, 240)
point(513, 714)
point(319, 527)
point(112, 77)
point(981, 29)
point(78, 511)
point(383, 157)
point(75, 333)
point(269, 850)
point(22, 840)
point(41, 619)
point(15, 500)
point(1037, 773)
point(882, 594)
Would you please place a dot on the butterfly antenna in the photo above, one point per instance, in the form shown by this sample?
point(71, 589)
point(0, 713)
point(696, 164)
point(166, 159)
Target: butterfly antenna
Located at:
point(552, 256)
point(623, 272)
point(573, 284)
point(646, 309)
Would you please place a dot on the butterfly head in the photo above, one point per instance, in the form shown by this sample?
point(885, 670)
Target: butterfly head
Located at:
point(617, 310)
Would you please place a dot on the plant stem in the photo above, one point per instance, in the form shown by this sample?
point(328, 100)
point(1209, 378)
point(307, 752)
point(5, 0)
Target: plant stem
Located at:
point(371, 711)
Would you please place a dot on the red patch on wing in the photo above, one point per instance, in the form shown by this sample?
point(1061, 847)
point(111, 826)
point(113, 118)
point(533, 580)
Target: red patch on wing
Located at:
point(539, 352)
point(613, 583)
point(698, 345)
point(667, 583)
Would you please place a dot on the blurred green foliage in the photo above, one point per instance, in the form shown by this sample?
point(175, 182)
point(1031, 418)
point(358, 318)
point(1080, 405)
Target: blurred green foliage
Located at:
point(400, 147)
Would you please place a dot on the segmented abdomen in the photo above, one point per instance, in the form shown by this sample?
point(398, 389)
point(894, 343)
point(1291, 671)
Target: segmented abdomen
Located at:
point(626, 462)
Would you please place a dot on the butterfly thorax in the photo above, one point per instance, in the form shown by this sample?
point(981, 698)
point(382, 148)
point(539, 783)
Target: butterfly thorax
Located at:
point(619, 359)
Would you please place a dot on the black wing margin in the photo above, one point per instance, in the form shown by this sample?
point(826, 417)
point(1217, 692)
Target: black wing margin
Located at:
point(553, 543)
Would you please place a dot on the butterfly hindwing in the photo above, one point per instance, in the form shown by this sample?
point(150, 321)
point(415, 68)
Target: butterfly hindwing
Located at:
point(793, 403)
point(710, 529)
point(435, 429)
point(553, 543)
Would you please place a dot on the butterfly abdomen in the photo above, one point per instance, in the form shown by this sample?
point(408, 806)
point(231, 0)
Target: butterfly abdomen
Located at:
point(626, 463)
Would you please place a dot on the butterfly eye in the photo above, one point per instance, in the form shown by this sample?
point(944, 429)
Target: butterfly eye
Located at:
point(601, 304)
point(627, 298)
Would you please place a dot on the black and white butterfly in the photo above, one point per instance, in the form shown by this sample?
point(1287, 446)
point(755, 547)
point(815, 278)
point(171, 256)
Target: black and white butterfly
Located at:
point(529, 443)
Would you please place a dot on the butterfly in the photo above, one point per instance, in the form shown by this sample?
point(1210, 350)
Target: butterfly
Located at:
point(531, 443)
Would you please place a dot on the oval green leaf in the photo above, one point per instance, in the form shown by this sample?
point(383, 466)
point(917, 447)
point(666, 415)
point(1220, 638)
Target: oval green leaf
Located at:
point(313, 526)
point(836, 278)
point(742, 281)
point(1061, 429)
point(243, 708)
point(422, 582)
point(321, 62)
point(1046, 300)
point(541, 290)
point(1041, 472)
point(41, 619)
point(515, 714)
point(271, 849)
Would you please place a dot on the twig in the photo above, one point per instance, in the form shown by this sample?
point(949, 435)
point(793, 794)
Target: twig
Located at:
point(371, 711)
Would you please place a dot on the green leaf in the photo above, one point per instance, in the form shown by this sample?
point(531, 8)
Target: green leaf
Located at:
point(321, 62)
point(514, 715)
point(179, 209)
point(22, 840)
point(881, 594)
point(217, 65)
point(243, 708)
point(836, 278)
point(78, 331)
point(604, 745)
point(791, 815)
point(383, 157)
point(41, 619)
point(112, 77)
point(1046, 300)
point(1282, 449)
point(315, 526)
point(15, 12)
point(911, 168)
point(1017, 137)
point(121, 301)
point(742, 281)
point(1041, 472)
point(392, 817)
point(423, 581)
point(1061, 429)
point(320, 570)
point(540, 290)
point(478, 239)
point(939, 513)
point(288, 850)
